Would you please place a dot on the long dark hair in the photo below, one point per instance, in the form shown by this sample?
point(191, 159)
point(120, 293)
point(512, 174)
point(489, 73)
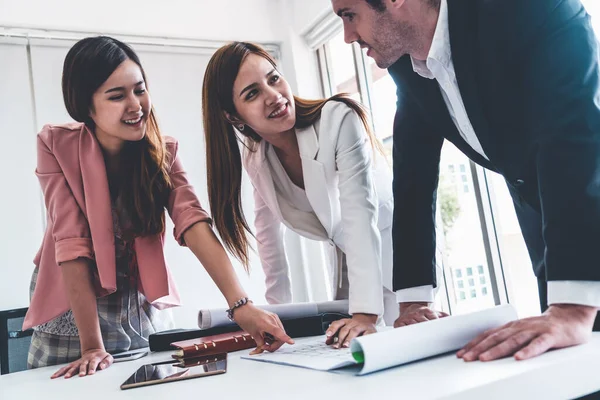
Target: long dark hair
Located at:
point(224, 163)
point(143, 168)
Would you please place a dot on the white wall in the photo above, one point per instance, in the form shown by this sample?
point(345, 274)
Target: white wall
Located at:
point(20, 204)
point(300, 62)
point(226, 20)
point(276, 21)
point(306, 12)
point(593, 8)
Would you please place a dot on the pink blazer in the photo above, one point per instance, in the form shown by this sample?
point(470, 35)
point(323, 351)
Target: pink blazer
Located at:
point(71, 170)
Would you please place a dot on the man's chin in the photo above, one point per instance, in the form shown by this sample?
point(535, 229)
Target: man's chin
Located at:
point(380, 61)
point(383, 64)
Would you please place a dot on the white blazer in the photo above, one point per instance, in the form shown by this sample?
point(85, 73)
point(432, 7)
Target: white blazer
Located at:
point(351, 196)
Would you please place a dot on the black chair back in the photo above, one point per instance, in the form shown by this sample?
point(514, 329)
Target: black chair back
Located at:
point(14, 342)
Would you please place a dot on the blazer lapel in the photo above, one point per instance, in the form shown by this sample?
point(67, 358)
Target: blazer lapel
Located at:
point(428, 95)
point(463, 29)
point(98, 208)
point(315, 180)
point(260, 175)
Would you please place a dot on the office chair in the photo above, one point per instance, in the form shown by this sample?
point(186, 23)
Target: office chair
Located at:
point(14, 343)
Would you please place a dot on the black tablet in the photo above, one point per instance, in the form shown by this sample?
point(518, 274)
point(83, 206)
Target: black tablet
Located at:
point(174, 370)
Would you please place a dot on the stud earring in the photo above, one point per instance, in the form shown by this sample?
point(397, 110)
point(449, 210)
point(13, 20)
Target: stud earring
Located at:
point(241, 127)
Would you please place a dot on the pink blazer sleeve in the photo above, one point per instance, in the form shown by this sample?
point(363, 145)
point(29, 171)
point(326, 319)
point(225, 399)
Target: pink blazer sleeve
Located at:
point(183, 206)
point(69, 226)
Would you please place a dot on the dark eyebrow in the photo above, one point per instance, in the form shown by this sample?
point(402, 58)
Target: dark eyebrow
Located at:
point(253, 85)
point(121, 88)
point(341, 11)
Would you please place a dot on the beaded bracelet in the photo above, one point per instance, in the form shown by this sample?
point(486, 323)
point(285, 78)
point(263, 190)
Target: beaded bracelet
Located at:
point(237, 304)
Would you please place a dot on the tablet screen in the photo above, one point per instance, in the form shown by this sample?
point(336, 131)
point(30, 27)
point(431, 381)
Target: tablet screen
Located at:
point(174, 370)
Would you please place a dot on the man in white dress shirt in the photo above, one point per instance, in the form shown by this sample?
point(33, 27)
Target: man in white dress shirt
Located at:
point(515, 85)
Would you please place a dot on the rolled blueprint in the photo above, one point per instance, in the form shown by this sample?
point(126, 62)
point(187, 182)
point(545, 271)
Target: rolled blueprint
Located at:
point(218, 317)
point(415, 342)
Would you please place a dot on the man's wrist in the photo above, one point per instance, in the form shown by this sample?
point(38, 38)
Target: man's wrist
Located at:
point(585, 312)
point(413, 304)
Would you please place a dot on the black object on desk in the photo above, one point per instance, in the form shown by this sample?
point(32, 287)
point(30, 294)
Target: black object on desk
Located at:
point(171, 371)
point(295, 327)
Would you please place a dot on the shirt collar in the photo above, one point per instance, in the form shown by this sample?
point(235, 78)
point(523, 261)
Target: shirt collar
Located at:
point(440, 46)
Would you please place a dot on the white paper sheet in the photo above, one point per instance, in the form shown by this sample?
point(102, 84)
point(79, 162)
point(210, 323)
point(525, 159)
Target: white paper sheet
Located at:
point(310, 353)
point(218, 317)
point(415, 342)
point(391, 347)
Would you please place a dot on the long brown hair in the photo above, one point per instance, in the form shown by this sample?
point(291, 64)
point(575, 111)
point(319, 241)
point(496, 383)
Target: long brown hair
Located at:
point(223, 158)
point(144, 181)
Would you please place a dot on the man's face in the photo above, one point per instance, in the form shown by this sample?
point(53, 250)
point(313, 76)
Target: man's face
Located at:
point(382, 32)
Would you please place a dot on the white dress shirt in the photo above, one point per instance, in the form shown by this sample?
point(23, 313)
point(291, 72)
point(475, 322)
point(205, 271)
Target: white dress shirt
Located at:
point(439, 66)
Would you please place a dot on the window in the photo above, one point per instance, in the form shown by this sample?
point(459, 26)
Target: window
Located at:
point(464, 178)
point(381, 98)
point(470, 271)
point(451, 168)
point(482, 280)
point(466, 188)
point(593, 8)
point(471, 282)
point(462, 168)
point(484, 291)
point(458, 273)
point(460, 284)
point(480, 269)
point(462, 295)
point(473, 293)
point(341, 71)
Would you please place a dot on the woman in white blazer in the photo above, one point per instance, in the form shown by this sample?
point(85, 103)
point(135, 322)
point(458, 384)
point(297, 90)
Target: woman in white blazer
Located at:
point(316, 168)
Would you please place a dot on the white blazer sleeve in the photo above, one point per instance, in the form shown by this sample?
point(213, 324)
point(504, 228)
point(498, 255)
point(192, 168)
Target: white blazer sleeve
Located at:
point(358, 205)
point(271, 250)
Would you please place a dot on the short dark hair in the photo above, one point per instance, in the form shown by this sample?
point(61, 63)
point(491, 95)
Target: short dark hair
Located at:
point(378, 5)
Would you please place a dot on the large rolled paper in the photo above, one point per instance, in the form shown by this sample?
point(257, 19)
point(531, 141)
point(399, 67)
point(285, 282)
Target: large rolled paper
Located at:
point(415, 342)
point(218, 317)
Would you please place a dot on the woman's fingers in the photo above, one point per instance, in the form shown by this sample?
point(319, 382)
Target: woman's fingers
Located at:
point(60, 372)
point(88, 364)
point(83, 368)
point(333, 330)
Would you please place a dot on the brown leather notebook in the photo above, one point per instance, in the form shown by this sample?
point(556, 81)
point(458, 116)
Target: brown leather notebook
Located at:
point(202, 360)
point(209, 345)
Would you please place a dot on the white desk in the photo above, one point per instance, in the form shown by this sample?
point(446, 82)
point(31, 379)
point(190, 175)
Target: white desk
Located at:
point(561, 374)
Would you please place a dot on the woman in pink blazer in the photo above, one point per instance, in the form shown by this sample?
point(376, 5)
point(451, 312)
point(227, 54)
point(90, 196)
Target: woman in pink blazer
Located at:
point(101, 277)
